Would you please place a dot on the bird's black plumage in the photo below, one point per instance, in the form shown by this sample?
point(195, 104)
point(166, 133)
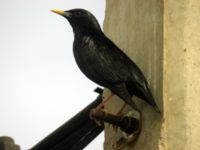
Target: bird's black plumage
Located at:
point(103, 62)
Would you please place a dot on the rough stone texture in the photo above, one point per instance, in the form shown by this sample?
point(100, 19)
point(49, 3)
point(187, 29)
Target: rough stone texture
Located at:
point(7, 143)
point(163, 38)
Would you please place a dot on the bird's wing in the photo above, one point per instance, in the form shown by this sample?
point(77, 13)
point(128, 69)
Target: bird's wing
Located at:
point(110, 63)
point(114, 66)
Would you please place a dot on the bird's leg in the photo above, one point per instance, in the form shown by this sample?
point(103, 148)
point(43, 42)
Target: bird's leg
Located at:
point(119, 113)
point(99, 107)
point(104, 101)
point(121, 109)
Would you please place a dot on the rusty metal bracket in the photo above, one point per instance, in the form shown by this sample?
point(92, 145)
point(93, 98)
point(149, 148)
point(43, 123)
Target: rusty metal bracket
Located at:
point(130, 125)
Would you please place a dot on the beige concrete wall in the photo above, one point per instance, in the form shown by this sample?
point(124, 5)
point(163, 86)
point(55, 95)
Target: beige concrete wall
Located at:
point(182, 74)
point(163, 38)
point(136, 27)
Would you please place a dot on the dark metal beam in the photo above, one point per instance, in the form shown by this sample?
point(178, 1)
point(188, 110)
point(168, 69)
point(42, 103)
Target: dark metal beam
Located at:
point(75, 134)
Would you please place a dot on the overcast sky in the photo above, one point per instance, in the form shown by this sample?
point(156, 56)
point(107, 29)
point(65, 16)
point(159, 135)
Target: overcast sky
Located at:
point(40, 85)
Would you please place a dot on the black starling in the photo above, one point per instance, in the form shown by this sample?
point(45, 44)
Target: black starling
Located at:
point(103, 62)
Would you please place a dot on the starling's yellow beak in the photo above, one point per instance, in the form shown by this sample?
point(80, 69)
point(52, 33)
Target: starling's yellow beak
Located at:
point(60, 12)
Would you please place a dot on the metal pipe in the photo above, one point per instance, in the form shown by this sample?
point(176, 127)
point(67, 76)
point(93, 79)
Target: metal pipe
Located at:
point(76, 133)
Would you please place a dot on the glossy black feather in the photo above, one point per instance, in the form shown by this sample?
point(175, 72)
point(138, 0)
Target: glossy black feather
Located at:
point(103, 62)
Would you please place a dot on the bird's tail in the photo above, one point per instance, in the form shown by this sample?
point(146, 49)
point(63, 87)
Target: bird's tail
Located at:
point(150, 99)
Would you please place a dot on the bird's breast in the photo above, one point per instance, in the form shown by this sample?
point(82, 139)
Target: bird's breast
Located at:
point(85, 53)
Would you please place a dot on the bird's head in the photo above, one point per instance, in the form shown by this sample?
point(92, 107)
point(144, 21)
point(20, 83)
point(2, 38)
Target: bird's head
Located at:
point(81, 20)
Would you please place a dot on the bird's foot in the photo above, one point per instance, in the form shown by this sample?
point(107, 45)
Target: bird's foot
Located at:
point(93, 112)
point(104, 101)
point(99, 109)
point(119, 113)
point(114, 127)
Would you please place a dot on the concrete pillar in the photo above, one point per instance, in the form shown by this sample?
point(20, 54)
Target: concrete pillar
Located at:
point(7, 143)
point(181, 77)
point(163, 38)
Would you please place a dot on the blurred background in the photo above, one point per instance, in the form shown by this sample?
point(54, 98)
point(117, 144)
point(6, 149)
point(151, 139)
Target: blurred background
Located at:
point(40, 85)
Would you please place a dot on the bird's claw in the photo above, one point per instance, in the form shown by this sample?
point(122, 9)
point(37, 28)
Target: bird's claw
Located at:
point(115, 128)
point(92, 113)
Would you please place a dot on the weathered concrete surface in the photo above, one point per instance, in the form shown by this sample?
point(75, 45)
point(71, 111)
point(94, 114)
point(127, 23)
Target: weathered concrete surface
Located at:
point(136, 27)
point(7, 143)
point(181, 77)
point(163, 38)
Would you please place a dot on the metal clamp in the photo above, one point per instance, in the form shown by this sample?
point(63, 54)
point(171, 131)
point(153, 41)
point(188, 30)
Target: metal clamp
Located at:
point(130, 125)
